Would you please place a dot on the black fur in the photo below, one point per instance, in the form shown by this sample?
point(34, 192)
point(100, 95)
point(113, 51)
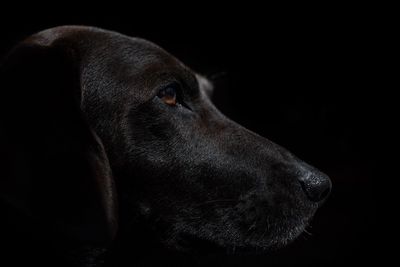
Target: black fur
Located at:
point(96, 158)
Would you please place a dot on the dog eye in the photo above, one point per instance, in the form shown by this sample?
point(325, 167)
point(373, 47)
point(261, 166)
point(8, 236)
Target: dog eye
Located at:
point(168, 94)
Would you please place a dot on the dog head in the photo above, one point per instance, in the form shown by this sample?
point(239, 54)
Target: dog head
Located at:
point(180, 167)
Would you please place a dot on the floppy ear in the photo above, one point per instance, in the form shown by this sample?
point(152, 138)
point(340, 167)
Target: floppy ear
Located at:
point(56, 173)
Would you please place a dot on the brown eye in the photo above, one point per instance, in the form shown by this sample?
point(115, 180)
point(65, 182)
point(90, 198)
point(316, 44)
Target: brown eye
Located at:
point(169, 95)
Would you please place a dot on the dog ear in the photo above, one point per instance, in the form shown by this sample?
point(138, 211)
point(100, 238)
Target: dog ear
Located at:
point(56, 172)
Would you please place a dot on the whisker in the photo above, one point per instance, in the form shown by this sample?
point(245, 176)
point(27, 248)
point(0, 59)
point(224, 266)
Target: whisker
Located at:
point(252, 226)
point(215, 201)
point(307, 232)
point(265, 230)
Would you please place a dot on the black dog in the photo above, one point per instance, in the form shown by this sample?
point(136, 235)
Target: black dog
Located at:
point(108, 137)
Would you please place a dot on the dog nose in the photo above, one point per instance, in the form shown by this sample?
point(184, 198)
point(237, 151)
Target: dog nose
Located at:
point(316, 185)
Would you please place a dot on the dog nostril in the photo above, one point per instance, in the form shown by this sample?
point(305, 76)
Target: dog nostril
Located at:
point(316, 186)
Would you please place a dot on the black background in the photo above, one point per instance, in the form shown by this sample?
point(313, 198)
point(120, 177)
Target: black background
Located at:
point(302, 79)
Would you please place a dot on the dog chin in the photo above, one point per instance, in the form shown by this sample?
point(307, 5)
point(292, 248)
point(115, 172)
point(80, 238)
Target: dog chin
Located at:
point(234, 242)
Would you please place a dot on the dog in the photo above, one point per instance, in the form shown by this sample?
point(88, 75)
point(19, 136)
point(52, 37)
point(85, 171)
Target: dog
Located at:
point(110, 139)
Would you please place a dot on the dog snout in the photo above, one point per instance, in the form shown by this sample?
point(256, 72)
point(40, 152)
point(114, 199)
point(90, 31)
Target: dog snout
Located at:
point(316, 185)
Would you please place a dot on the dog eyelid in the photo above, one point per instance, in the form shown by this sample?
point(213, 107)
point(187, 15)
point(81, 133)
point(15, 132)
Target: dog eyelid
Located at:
point(168, 94)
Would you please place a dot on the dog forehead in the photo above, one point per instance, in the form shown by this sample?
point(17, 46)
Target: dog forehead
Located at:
point(117, 60)
point(132, 58)
point(94, 44)
point(143, 53)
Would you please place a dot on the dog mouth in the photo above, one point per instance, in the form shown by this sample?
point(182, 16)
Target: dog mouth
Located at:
point(251, 225)
point(235, 235)
point(252, 244)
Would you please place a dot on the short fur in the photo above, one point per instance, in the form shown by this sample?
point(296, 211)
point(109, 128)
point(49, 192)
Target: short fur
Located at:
point(93, 156)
